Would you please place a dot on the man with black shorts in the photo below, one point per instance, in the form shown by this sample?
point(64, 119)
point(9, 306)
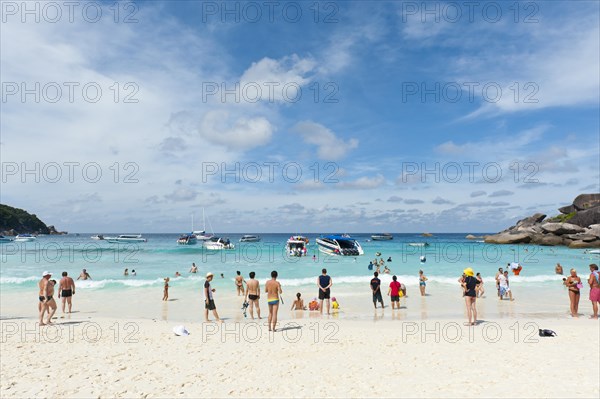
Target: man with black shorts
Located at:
point(209, 303)
point(376, 288)
point(324, 282)
point(66, 289)
point(253, 294)
point(394, 292)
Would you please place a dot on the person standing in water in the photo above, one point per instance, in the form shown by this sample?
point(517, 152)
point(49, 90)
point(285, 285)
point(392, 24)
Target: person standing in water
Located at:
point(594, 282)
point(394, 293)
point(239, 283)
point(194, 268)
point(376, 289)
point(273, 290)
point(422, 282)
point(253, 294)
point(84, 275)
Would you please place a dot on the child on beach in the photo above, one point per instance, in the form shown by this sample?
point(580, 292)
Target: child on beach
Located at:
point(166, 290)
point(335, 304)
point(422, 282)
point(313, 305)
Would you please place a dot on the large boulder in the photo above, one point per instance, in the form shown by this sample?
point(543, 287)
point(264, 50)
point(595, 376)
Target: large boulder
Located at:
point(471, 237)
point(549, 239)
point(586, 201)
point(581, 236)
point(508, 238)
point(587, 217)
point(584, 244)
point(567, 209)
point(529, 229)
point(593, 229)
point(531, 220)
point(562, 228)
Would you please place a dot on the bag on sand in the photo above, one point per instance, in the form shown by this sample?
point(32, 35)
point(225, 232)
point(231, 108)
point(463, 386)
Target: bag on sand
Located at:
point(547, 333)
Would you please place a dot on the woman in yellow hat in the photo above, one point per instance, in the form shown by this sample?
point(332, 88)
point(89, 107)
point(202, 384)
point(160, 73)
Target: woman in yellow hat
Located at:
point(470, 285)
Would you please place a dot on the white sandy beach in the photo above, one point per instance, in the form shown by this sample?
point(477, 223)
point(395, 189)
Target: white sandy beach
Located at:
point(421, 350)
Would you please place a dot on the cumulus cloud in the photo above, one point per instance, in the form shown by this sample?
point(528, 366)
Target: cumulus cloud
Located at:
point(239, 134)
point(501, 193)
point(329, 146)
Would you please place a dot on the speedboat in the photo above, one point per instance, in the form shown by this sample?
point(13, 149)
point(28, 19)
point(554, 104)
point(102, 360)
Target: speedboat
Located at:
point(338, 245)
point(594, 252)
point(250, 238)
point(382, 237)
point(218, 243)
point(187, 239)
point(5, 239)
point(125, 238)
point(97, 237)
point(24, 238)
point(418, 244)
point(296, 246)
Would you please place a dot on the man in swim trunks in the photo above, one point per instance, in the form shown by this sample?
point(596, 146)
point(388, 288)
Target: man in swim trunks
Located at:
point(253, 294)
point(194, 268)
point(594, 282)
point(273, 290)
point(503, 285)
point(209, 302)
point(84, 275)
point(44, 295)
point(239, 283)
point(324, 282)
point(376, 289)
point(66, 290)
point(498, 281)
point(51, 303)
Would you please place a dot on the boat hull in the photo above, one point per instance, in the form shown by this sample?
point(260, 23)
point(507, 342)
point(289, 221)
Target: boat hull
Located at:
point(331, 248)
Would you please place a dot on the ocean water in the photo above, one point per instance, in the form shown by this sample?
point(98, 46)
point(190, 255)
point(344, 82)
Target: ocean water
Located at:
point(21, 264)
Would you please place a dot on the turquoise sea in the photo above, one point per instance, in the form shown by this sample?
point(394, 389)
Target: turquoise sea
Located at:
point(21, 264)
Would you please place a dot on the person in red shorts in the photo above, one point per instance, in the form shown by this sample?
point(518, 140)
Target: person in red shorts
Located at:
point(594, 282)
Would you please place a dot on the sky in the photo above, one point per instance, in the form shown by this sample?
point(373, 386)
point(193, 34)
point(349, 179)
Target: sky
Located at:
point(299, 117)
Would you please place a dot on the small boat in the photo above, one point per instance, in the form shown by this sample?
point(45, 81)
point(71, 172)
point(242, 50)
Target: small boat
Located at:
point(24, 238)
point(125, 238)
point(382, 237)
point(418, 244)
point(187, 239)
point(339, 245)
point(5, 239)
point(297, 246)
point(218, 243)
point(97, 237)
point(201, 235)
point(249, 238)
point(594, 252)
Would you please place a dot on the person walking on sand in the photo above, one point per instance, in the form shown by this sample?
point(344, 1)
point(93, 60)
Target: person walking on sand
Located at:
point(394, 292)
point(470, 284)
point(194, 268)
point(594, 282)
point(166, 289)
point(239, 283)
point(44, 296)
point(273, 290)
point(324, 282)
point(480, 290)
point(376, 289)
point(209, 302)
point(422, 282)
point(84, 275)
point(253, 295)
point(51, 303)
point(574, 285)
point(66, 290)
point(500, 272)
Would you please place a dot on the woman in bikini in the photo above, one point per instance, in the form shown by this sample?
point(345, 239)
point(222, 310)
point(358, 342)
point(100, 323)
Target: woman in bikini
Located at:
point(422, 283)
point(574, 285)
point(298, 303)
point(166, 290)
point(480, 290)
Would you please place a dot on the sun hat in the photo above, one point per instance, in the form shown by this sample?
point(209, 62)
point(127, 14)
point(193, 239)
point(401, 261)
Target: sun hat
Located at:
point(180, 330)
point(46, 273)
point(209, 274)
point(468, 271)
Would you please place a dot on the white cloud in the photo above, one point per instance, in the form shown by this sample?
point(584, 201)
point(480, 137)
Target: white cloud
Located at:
point(217, 127)
point(329, 146)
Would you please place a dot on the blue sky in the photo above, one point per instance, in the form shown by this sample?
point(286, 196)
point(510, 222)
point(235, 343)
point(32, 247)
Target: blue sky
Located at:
point(362, 120)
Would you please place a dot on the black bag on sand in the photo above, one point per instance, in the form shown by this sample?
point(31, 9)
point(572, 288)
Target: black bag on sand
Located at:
point(547, 333)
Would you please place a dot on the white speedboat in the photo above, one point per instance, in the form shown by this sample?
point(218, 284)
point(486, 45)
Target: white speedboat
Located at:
point(187, 239)
point(249, 238)
point(594, 252)
point(218, 243)
point(5, 239)
point(97, 237)
point(125, 239)
point(382, 237)
point(418, 244)
point(297, 246)
point(24, 238)
point(339, 245)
